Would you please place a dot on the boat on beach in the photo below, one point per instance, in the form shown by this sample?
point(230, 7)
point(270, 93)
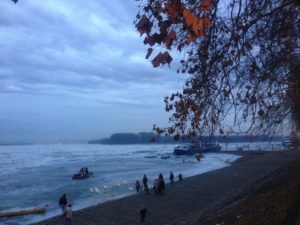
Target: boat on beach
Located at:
point(195, 148)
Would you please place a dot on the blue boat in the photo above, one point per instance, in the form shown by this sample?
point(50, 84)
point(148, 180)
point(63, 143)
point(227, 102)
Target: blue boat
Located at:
point(194, 148)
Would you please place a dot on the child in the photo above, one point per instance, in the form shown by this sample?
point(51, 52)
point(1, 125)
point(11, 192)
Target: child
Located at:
point(68, 215)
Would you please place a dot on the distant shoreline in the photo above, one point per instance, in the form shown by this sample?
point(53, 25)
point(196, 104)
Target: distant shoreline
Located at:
point(152, 138)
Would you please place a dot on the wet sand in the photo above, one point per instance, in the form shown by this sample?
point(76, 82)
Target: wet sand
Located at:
point(187, 201)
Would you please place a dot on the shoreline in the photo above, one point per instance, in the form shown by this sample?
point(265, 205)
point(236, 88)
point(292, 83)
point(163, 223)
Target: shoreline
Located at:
point(178, 205)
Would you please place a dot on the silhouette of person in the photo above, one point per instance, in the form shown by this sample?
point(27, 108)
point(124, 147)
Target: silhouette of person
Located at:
point(68, 215)
point(137, 185)
point(143, 214)
point(171, 177)
point(180, 177)
point(63, 202)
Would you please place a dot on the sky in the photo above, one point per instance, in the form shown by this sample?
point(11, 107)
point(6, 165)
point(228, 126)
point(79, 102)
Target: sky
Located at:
point(76, 70)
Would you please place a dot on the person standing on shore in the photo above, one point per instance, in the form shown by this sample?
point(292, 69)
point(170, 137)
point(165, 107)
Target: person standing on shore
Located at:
point(143, 214)
point(171, 177)
point(145, 183)
point(180, 177)
point(63, 202)
point(68, 215)
point(137, 186)
point(145, 180)
point(161, 184)
point(155, 186)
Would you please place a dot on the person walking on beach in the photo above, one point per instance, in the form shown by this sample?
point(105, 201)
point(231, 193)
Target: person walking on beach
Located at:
point(161, 184)
point(145, 183)
point(63, 202)
point(143, 214)
point(145, 180)
point(155, 186)
point(137, 185)
point(171, 177)
point(180, 177)
point(68, 215)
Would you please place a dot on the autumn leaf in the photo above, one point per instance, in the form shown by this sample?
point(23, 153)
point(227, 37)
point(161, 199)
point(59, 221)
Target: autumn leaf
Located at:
point(170, 38)
point(149, 51)
point(162, 58)
point(153, 39)
point(172, 12)
point(197, 25)
point(144, 25)
point(206, 5)
point(15, 1)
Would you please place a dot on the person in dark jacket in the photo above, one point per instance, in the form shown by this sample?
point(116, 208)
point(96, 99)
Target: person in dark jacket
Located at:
point(145, 183)
point(137, 186)
point(145, 180)
point(143, 214)
point(161, 188)
point(63, 202)
point(180, 177)
point(171, 177)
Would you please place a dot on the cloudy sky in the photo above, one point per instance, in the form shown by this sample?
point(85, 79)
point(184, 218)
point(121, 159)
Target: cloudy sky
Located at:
point(76, 70)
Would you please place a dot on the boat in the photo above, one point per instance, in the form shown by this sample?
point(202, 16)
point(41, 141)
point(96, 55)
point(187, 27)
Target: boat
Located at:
point(194, 148)
point(79, 176)
point(82, 174)
point(287, 142)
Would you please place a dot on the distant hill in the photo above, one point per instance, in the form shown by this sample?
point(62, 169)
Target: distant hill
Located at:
point(150, 137)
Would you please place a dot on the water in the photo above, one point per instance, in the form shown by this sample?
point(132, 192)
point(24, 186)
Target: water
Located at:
point(37, 175)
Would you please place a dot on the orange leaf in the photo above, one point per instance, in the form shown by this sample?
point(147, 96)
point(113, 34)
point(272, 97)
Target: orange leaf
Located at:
point(206, 5)
point(197, 25)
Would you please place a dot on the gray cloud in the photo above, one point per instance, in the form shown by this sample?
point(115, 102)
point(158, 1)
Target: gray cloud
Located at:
point(83, 53)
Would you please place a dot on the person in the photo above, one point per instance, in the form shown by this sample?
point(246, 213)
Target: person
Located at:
point(137, 185)
point(160, 176)
point(145, 183)
point(171, 177)
point(63, 202)
point(143, 214)
point(68, 215)
point(82, 171)
point(180, 177)
point(155, 186)
point(145, 180)
point(198, 157)
point(161, 186)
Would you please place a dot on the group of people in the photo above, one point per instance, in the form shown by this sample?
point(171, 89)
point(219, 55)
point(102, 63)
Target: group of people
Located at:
point(159, 183)
point(84, 171)
point(158, 186)
point(66, 209)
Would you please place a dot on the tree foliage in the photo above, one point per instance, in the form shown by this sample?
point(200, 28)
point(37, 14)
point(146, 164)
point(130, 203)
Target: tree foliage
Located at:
point(242, 61)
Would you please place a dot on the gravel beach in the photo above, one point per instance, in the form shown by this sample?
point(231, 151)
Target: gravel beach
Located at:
point(189, 201)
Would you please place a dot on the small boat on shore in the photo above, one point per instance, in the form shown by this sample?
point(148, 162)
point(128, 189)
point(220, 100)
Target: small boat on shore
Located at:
point(194, 148)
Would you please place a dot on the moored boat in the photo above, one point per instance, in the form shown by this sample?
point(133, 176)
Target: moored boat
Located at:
point(194, 148)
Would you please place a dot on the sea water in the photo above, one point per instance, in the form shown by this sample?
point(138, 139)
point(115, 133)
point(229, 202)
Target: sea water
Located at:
point(37, 175)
